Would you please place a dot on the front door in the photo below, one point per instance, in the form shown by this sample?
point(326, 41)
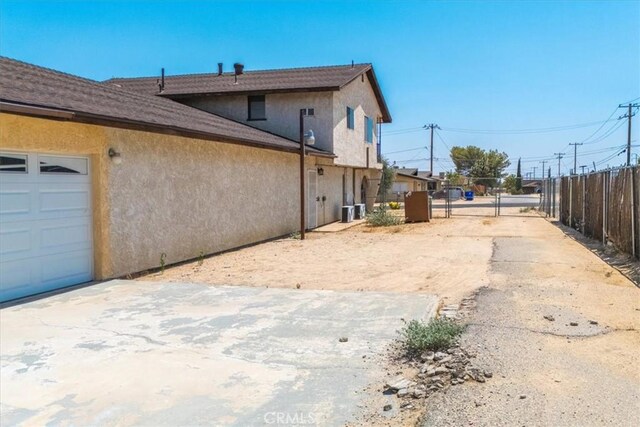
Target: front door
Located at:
point(312, 199)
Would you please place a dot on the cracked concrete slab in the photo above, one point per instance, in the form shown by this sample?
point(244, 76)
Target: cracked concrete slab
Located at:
point(153, 353)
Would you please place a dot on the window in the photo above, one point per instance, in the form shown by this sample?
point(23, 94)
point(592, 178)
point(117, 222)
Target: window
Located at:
point(350, 118)
point(67, 165)
point(13, 163)
point(257, 110)
point(368, 129)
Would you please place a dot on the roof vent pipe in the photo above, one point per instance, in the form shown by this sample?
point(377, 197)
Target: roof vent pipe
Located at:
point(238, 69)
point(161, 82)
point(219, 68)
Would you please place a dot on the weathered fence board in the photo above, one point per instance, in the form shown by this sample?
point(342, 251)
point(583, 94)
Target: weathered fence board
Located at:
point(603, 205)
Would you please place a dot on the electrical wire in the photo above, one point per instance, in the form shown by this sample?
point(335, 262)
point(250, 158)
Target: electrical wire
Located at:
point(524, 131)
point(405, 151)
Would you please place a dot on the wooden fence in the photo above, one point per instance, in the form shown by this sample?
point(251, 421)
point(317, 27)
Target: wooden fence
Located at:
point(603, 205)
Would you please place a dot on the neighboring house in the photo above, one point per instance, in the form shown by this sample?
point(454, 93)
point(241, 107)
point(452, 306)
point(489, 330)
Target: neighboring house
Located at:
point(406, 180)
point(98, 181)
point(435, 182)
point(531, 186)
point(345, 110)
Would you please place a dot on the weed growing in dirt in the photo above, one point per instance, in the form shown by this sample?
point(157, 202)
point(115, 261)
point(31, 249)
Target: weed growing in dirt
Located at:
point(438, 334)
point(527, 209)
point(163, 257)
point(295, 235)
point(381, 218)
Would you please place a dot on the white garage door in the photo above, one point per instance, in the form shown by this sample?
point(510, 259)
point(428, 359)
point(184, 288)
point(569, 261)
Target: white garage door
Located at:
point(45, 223)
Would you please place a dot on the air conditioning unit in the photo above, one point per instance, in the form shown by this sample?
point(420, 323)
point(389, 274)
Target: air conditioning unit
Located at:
point(359, 211)
point(347, 213)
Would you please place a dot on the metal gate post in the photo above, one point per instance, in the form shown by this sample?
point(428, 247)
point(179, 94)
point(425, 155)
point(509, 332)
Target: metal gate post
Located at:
point(633, 212)
point(604, 208)
point(570, 202)
point(584, 200)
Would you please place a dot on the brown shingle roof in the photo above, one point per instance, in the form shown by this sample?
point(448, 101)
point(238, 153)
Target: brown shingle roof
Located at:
point(260, 81)
point(24, 84)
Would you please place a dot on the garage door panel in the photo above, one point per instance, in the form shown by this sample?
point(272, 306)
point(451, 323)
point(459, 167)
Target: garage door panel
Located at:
point(16, 279)
point(64, 200)
point(15, 242)
point(15, 202)
point(65, 269)
point(59, 235)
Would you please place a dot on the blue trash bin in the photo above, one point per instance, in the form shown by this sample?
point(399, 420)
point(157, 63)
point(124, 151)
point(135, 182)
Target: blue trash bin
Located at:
point(468, 195)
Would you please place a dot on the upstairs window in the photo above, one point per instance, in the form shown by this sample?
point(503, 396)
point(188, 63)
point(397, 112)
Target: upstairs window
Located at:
point(350, 118)
point(257, 110)
point(368, 129)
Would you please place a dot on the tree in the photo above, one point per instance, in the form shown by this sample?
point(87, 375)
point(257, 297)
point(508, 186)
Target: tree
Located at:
point(464, 158)
point(386, 180)
point(484, 167)
point(518, 188)
point(510, 183)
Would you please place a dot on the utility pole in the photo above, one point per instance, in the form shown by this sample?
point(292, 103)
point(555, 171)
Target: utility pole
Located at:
point(560, 156)
point(543, 163)
point(534, 172)
point(575, 156)
point(583, 168)
point(628, 115)
point(432, 127)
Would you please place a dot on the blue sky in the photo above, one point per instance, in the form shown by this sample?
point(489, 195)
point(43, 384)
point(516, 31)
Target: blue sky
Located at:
point(462, 65)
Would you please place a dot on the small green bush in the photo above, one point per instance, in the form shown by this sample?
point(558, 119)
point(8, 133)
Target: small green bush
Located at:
point(381, 218)
point(438, 334)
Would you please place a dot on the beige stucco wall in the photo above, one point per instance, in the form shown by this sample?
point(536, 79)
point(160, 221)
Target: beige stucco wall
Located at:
point(329, 122)
point(182, 197)
point(176, 195)
point(282, 112)
point(349, 144)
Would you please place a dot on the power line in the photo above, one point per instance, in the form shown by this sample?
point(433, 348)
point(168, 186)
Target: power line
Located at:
point(601, 126)
point(520, 131)
point(405, 151)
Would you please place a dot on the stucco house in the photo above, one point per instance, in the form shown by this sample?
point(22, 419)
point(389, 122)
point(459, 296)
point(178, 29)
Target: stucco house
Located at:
point(100, 180)
point(405, 180)
point(344, 104)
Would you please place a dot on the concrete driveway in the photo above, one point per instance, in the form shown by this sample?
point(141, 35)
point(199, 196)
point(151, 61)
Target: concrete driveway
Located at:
point(154, 353)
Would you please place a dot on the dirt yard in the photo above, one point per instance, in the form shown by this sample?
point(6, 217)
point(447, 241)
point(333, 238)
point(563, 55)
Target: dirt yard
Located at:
point(579, 369)
point(449, 258)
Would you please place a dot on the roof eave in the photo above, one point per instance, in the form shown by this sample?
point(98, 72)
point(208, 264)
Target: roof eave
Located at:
point(248, 92)
point(7, 106)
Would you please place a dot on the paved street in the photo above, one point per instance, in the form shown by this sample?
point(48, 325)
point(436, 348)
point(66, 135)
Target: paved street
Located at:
point(142, 353)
